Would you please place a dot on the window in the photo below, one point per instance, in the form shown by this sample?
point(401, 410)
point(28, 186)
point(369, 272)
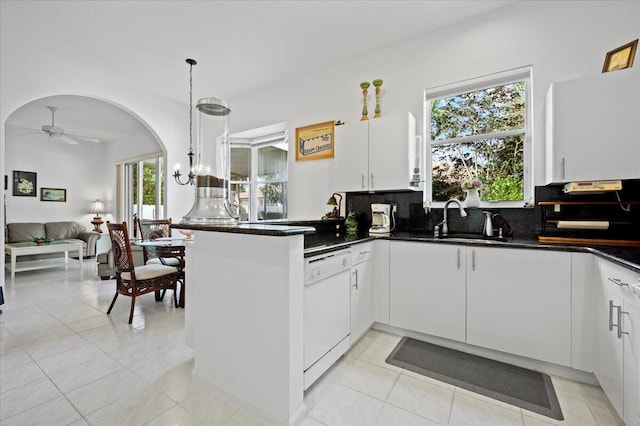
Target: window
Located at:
point(141, 189)
point(480, 130)
point(259, 173)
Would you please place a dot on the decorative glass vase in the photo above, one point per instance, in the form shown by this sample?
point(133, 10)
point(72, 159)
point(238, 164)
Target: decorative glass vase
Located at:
point(473, 198)
point(212, 205)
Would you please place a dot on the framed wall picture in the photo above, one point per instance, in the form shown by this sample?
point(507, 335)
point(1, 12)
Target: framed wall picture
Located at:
point(24, 184)
point(53, 194)
point(620, 58)
point(316, 141)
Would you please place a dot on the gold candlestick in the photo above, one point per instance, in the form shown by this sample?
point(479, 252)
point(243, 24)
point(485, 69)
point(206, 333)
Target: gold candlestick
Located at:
point(377, 83)
point(365, 113)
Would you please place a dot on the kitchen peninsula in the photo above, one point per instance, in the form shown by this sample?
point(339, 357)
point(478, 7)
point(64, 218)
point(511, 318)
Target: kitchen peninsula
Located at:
point(244, 316)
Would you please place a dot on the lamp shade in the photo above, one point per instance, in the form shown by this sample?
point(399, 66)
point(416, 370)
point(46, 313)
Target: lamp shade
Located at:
point(332, 201)
point(97, 208)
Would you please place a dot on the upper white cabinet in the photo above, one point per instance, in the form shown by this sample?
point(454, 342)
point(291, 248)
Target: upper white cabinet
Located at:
point(519, 301)
point(428, 288)
point(374, 155)
point(592, 128)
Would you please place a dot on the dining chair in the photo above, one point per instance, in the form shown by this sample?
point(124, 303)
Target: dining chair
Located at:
point(151, 229)
point(135, 281)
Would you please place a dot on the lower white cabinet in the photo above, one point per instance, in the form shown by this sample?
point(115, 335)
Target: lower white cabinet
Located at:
point(361, 289)
point(428, 288)
point(617, 338)
point(519, 302)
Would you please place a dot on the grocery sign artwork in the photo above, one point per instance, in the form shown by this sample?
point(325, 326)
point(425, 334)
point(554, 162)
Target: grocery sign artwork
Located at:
point(315, 142)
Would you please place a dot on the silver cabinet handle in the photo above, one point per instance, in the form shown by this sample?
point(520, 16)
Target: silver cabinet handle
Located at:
point(619, 282)
point(611, 325)
point(362, 180)
point(619, 317)
point(562, 168)
point(365, 252)
point(620, 332)
point(458, 258)
point(473, 260)
point(355, 273)
point(372, 185)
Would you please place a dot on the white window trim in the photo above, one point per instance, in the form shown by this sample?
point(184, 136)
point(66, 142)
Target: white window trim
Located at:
point(510, 76)
point(253, 143)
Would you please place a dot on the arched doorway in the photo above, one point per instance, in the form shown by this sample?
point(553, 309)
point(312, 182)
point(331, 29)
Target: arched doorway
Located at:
point(73, 160)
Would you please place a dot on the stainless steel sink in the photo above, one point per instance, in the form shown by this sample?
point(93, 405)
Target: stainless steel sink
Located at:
point(459, 236)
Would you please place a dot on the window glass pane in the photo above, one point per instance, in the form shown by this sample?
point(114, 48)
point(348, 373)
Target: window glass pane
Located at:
point(241, 196)
point(272, 200)
point(149, 189)
point(240, 164)
point(272, 163)
point(484, 111)
point(497, 163)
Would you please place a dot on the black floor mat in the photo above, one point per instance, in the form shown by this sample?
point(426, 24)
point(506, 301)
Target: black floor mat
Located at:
point(517, 386)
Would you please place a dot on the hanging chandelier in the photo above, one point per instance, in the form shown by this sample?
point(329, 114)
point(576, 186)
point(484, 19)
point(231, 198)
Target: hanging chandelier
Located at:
point(191, 177)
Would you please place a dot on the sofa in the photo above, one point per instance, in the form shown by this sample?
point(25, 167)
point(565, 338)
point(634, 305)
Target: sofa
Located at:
point(27, 231)
point(106, 265)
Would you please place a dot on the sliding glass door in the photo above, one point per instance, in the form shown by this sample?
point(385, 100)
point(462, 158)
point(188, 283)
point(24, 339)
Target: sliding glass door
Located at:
point(142, 190)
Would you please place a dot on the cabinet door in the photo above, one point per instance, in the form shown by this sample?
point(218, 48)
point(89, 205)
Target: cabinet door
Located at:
point(519, 302)
point(351, 157)
point(589, 126)
point(361, 299)
point(607, 363)
point(427, 284)
point(389, 152)
point(631, 357)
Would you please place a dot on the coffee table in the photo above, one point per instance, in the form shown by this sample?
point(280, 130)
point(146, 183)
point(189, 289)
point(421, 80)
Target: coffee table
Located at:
point(26, 248)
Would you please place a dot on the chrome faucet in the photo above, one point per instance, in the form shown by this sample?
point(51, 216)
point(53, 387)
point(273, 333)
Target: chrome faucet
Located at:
point(463, 213)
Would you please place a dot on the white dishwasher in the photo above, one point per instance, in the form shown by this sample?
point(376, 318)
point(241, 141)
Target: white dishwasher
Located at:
point(327, 313)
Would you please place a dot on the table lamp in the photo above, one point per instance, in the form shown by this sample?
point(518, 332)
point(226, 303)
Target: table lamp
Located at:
point(97, 208)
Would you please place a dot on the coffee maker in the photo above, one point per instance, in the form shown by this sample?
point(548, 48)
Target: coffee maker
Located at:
point(381, 219)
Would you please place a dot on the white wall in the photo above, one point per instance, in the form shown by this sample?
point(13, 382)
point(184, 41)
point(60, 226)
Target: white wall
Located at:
point(562, 40)
point(79, 169)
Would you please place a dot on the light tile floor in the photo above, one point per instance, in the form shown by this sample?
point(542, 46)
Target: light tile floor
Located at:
point(63, 361)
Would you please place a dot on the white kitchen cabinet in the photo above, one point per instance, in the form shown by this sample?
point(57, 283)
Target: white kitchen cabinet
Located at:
point(373, 155)
point(590, 128)
point(351, 156)
point(519, 302)
point(381, 281)
point(361, 289)
point(617, 338)
point(428, 288)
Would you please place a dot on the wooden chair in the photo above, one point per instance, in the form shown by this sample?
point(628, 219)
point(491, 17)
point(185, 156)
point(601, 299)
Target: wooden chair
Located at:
point(151, 229)
point(135, 281)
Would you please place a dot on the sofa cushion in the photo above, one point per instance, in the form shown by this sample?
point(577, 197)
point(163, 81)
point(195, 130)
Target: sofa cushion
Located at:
point(64, 230)
point(25, 231)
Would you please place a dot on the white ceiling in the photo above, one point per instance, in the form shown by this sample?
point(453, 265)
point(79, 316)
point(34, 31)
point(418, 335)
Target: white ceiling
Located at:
point(240, 46)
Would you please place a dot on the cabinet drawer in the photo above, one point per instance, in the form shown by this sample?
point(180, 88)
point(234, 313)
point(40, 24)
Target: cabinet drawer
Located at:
point(361, 252)
point(627, 280)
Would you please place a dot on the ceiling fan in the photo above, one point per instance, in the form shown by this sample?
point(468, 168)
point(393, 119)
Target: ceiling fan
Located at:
point(58, 132)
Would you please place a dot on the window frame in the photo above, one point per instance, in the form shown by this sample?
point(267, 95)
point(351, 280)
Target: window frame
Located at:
point(475, 84)
point(272, 136)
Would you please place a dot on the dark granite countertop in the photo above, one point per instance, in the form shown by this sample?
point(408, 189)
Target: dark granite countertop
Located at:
point(316, 243)
point(629, 257)
point(251, 228)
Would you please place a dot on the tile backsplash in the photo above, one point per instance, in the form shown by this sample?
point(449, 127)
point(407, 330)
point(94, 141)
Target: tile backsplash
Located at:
point(525, 222)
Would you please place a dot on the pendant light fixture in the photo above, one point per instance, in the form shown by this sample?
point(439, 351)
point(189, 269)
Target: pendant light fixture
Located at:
point(191, 177)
